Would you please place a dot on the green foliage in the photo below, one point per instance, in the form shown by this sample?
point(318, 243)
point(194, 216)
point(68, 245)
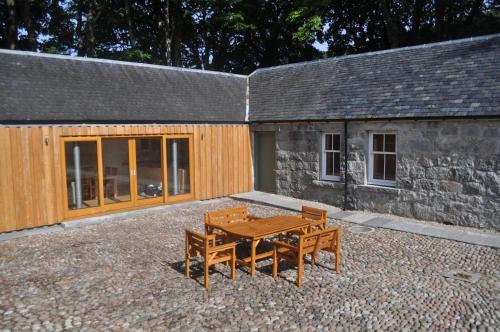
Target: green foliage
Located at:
point(238, 35)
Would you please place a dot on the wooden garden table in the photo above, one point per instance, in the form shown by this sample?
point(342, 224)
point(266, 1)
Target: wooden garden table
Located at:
point(259, 229)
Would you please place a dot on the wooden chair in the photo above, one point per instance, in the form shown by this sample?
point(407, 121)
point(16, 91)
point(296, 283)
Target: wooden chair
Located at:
point(316, 218)
point(204, 245)
point(308, 244)
point(228, 216)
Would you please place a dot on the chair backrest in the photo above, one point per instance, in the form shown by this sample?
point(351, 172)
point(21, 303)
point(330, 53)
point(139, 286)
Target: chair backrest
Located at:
point(311, 213)
point(226, 216)
point(312, 242)
point(196, 243)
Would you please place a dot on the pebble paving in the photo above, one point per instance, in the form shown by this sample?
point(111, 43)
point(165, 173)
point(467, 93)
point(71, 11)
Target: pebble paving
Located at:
point(128, 275)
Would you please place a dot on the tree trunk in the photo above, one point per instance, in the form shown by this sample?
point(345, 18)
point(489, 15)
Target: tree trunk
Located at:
point(416, 20)
point(168, 34)
point(29, 25)
point(131, 35)
point(439, 9)
point(79, 30)
point(476, 6)
point(12, 31)
point(390, 25)
point(90, 30)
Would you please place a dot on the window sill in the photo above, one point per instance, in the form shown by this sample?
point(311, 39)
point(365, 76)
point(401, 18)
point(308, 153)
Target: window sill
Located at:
point(335, 184)
point(378, 188)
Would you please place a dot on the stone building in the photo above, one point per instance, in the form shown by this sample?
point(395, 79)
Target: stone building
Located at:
point(413, 132)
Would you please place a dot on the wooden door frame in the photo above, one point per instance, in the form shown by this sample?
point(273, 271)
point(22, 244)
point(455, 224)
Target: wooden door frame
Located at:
point(68, 213)
point(130, 203)
point(134, 202)
point(152, 200)
point(190, 195)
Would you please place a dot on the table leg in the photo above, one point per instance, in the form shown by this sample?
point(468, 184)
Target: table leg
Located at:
point(252, 257)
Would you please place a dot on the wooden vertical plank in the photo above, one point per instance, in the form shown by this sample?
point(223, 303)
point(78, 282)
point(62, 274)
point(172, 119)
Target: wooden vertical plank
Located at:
point(202, 151)
point(241, 172)
point(38, 185)
point(21, 189)
point(49, 202)
point(7, 197)
point(234, 144)
point(213, 157)
point(229, 161)
point(197, 166)
point(220, 172)
point(246, 158)
point(55, 149)
point(208, 160)
point(225, 159)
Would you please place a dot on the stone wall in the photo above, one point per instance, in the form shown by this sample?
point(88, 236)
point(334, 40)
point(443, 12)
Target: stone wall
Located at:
point(447, 171)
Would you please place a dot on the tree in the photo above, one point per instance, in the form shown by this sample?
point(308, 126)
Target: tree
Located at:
point(236, 35)
point(12, 24)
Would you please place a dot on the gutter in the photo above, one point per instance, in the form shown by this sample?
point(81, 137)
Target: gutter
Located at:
point(374, 119)
point(345, 165)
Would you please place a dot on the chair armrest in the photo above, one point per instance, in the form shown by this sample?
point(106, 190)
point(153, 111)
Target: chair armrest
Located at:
point(285, 245)
point(222, 247)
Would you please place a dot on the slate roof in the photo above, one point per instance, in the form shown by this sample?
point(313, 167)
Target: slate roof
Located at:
point(49, 88)
point(457, 78)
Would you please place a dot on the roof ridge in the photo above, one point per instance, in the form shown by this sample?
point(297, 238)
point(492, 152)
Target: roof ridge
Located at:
point(392, 50)
point(117, 62)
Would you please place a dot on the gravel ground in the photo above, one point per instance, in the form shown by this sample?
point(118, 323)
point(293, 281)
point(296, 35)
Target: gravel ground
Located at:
point(128, 275)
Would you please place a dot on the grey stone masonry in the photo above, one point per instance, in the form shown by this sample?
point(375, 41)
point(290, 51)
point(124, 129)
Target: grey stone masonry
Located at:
point(447, 170)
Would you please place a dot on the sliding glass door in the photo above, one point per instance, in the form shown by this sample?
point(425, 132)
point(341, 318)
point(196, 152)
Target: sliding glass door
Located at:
point(82, 181)
point(179, 161)
point(149, 166)
point(116, 166)
point(109, 173)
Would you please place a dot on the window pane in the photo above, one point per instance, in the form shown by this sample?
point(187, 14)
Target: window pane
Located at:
point(329, 163)
point(378, 142)
point(81, 174)
point(328, 142)
point(178, 166)
point(149, 172)
point(336, 164)
point(336, 142)
point(390, 143)
point(390, 167)
point(378, 166)
point(115, 164)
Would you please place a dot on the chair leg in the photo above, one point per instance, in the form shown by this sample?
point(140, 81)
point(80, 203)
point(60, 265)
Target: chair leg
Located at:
point(187, 266)
point(275, 263)
point(206, 273)
point(337, 254)
point(313, 259)
point(233, 264)
point(299, 270)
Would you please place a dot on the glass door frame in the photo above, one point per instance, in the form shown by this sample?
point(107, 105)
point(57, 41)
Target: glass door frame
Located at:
point(134, 201)
point(68, 213)
point(151, 200)
point(181, 197)
point(131, 172)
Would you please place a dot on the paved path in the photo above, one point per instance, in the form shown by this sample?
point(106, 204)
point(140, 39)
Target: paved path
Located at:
point(490, 239)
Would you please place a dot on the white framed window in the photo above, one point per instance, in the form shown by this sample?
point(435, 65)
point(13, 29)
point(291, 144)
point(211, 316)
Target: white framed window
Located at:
point(382, 159)
point(330, 156)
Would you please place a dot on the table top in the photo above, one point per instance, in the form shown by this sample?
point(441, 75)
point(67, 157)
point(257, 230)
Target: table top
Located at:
point(263, 227)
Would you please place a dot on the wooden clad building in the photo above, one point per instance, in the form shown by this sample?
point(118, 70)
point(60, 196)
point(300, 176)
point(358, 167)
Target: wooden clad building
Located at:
point(85, 137)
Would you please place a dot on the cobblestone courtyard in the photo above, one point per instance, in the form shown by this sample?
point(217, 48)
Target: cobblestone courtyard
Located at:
point(128, 274)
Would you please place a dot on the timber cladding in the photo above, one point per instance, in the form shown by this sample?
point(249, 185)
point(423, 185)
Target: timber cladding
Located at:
point(32, 177)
